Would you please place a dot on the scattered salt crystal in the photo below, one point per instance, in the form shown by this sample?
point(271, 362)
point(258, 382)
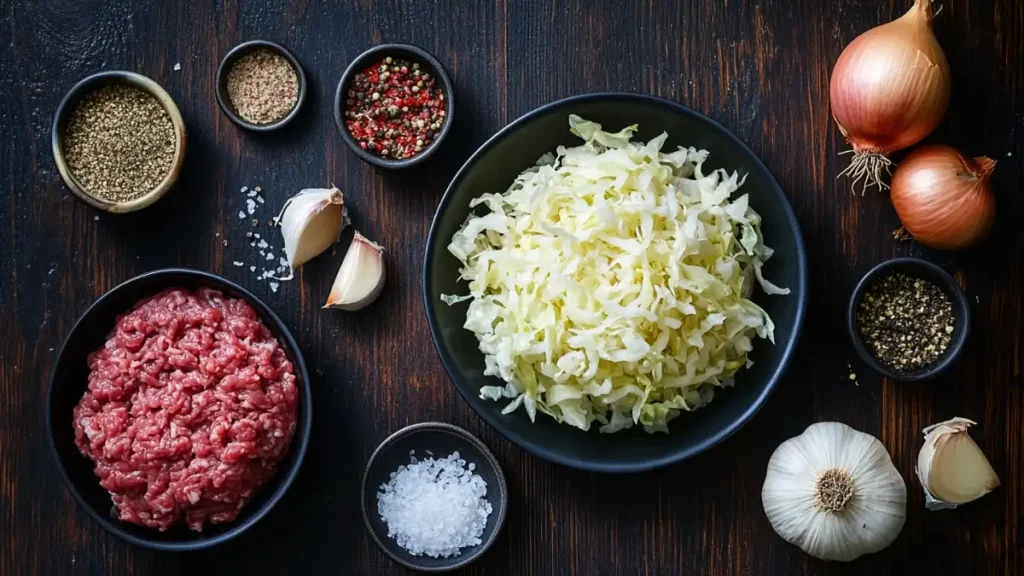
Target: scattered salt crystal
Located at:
point(260, 199)
point(244, 188)
point(252, 268)
point(263, 244)
point(256, 235)
point(250, 206)
point(252, 243)
point(216, 234)
point(258, 189)
point(434, 506)
point(96, 218)
point(252, 194)
point(241, 215)
point(283, 261)
point(274, 286)
point(239, 264)
point(177, 66)
point(270, 255)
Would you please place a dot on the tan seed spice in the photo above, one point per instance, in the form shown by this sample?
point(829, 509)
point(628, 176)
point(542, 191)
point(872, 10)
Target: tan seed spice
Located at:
point(263, 87)
point(119, 143)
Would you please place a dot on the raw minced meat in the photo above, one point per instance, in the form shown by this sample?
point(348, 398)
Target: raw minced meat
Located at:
point(191, 406)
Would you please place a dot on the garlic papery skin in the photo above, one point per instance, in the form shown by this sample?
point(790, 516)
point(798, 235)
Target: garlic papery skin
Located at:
point(311, 222)
point(952, 468)
point(834, 492)
point(360, 278)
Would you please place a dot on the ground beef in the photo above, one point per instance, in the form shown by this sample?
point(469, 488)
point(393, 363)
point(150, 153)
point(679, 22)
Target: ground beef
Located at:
point(191, 406)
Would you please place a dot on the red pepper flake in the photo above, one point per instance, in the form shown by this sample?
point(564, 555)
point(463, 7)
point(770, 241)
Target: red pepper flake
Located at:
point(394, 109)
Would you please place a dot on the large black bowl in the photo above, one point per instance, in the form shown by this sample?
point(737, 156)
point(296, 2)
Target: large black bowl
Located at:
point(69, 383)
point(493, 168)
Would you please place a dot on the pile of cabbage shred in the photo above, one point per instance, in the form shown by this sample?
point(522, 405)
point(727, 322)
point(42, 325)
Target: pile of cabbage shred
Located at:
point(611, 283)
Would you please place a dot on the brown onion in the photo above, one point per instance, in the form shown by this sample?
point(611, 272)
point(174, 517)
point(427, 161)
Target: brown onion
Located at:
point(889, 89)
point(944, 199)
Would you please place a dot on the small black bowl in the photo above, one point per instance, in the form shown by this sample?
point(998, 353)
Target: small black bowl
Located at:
point(427, 63)
point(224, 99)
point(435, 439)
point(68, 383)
point(517, 147)
point(915, 268)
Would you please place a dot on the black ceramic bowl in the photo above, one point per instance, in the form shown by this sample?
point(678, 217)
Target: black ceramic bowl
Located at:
point(224, 99)
point(440, 440)
point(69, 383)
point(493, 168)
point(428, 64)
point(914, 268)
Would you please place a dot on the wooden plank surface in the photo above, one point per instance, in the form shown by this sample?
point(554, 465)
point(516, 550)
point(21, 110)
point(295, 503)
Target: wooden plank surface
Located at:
point(759, 68)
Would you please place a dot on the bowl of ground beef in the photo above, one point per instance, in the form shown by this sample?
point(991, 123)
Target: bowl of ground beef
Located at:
point(179, 410)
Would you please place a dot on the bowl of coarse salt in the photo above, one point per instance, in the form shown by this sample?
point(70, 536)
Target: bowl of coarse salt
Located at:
point(434, 497)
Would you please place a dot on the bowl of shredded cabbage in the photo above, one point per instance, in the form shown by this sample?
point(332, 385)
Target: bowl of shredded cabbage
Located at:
point(615, 282)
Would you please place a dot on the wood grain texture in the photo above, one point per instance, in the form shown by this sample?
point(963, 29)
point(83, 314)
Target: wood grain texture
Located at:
point(759, 68)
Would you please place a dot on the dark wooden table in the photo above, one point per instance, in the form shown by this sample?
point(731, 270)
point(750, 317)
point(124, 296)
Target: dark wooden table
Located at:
point(759, 68)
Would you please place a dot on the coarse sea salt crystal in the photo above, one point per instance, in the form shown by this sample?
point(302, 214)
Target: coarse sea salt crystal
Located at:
point(274, 286)
point(435, 506)
point(239, 264)
point(241, 215)
point(250, 206)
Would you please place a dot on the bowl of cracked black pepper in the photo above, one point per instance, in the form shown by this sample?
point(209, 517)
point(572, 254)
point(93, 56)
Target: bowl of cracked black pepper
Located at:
point(394, 105)
point(260, 85)
point(908, 319)
point(118, 141)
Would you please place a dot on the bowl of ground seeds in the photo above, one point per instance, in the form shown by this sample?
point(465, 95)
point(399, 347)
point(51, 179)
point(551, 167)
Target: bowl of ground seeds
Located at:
point(260, 85)
point(908, 319)
point(118, 141)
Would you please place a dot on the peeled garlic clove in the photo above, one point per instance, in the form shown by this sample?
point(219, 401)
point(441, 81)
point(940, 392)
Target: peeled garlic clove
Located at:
point(951, 467)
point(360, 278)
point(311, 222)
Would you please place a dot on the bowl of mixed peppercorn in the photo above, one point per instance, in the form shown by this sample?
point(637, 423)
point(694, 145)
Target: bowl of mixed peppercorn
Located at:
point(394, 105)
point(908, 319)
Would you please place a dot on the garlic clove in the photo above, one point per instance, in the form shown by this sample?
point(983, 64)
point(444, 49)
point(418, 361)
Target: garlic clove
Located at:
point(360, 278)
point(311, 222)
point(952, 468)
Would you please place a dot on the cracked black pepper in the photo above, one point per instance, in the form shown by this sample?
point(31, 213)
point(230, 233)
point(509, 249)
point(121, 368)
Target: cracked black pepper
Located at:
point(906, 323)
point(119, 143)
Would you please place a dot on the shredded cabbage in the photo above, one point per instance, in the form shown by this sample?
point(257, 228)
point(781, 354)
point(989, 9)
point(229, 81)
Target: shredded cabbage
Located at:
point(610, 283)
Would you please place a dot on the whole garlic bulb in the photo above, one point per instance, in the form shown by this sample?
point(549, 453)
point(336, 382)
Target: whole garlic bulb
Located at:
point(834, 492)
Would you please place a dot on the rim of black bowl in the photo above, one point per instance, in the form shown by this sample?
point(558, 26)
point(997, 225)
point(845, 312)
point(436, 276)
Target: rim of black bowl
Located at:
point(683, 453)
point(491, 460)
point(927, 271)
point(281, 481)
point(410, 52)
point(224, 99)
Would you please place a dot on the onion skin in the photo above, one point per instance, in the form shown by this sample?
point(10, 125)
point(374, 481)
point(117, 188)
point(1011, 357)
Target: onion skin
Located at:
point(943, 198)
point(889, 89)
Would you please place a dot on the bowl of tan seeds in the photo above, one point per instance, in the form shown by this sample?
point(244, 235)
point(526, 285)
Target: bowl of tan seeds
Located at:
point(260, 86)
point(118, 141)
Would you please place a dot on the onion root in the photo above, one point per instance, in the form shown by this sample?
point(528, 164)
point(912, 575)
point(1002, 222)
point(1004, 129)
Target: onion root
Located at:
point(867, 166)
